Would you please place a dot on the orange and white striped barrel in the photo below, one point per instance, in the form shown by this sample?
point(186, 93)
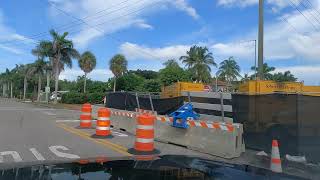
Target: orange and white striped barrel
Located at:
point(103, 123)
point(144, 143)
point(85, 117)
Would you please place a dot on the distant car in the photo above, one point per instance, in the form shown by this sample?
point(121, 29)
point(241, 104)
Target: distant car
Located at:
point(53, 96)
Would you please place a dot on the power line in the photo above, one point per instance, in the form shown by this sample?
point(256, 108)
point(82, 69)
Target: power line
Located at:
point(38, 35)
point(293, 5)
point(286, 21)
point(310, 12)
point(311, 5)
point(101, 31)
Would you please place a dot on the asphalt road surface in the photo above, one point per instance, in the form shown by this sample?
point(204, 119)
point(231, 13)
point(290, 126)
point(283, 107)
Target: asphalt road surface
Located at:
point(30, 133)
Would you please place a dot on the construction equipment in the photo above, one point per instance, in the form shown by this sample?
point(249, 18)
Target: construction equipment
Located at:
point(182, 115)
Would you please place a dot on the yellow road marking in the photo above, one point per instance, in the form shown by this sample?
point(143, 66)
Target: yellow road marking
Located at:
point(115, 147)
point(101, 140)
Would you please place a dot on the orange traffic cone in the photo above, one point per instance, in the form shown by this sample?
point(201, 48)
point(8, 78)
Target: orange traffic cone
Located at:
point(275, 165)
point(85, 117)
point(103, 124)
point(144, 143)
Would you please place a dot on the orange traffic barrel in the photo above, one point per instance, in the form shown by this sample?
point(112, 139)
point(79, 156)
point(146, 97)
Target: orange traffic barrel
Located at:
point(144, 143)
point(103, 124)
point(85, 117)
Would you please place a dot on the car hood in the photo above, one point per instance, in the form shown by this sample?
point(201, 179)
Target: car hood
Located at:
point(137, 167)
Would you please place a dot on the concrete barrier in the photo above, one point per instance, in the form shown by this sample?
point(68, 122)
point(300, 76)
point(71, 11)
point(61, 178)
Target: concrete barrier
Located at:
point(222, 143)
point(219, 139)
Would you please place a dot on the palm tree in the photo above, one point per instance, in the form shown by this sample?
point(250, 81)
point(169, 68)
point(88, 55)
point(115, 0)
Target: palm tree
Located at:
point(198, 60)
point(26, 70)
point(60, 52)
point(87, 63)
point(38, 68)
point(266, 71)
point(118, 65)
point(229, 70)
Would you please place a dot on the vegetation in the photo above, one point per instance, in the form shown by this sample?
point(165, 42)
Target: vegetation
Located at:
point(118, 66)
point(199, 60)
point(87, 63)
point(26, 81)
point(229, 70)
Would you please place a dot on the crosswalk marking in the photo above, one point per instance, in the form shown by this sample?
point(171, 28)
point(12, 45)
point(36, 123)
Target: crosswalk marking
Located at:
point(37, 154)
point(14, 154)
point(54, 149)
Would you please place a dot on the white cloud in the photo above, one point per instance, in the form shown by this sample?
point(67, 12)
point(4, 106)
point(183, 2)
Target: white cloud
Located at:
point(112, 17)
point(143, 25)
point(240, 3)
point(135, 51)
point(308, 74)
point(242, 50)
point(276, 4)
point(96, 74)
point(11, 49)
point(184, 6)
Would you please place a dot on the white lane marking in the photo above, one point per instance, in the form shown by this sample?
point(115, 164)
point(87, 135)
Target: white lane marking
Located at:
point(49, 113)
point(15, 155)
point(119, 134)
point(54, 149)
point(72, 120)
point(37, 154)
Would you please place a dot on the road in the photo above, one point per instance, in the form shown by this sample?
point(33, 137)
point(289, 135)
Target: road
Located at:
point(30, 133)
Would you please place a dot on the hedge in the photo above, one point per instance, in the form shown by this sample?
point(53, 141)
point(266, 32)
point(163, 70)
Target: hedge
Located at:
point(80, 98)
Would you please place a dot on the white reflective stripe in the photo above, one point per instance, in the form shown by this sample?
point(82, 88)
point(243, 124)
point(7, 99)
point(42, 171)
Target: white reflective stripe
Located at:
point(103, 118)
point(145, 127)
point(142, 140)
point(103, 128)
point(197, 123)
point(223, 127)
point(86, 113)
point(209, 125)
point(158, 118)
point(85, 121)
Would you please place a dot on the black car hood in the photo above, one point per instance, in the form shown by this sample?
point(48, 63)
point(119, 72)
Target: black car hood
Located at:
point(137, 167)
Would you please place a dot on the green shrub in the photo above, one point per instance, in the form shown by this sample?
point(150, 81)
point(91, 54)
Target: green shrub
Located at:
point(80, 98)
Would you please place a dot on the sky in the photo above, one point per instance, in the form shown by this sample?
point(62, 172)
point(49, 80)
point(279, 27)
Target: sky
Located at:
point(149, 32)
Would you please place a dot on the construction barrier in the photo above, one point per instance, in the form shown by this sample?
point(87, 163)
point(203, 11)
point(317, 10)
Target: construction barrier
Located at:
point(103, 124)
point(275, 164)
point(85, 117)
point(144, 142)
point(215, 138)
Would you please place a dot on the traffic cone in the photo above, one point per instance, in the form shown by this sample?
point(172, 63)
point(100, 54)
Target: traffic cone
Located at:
point(144, 143)
point(85, 117)
point(103, 124)
point(275, 165)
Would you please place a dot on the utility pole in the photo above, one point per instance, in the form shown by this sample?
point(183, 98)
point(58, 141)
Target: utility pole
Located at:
point(260, 41)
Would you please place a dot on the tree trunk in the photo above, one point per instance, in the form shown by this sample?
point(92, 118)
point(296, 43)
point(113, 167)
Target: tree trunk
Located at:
point(48, 85)
point(3, 89)
point(39, 88)
point(11, 87)
point(56, 78)
point(24, 87)
point(85, 82)
point(56, 85)
point(114, 84)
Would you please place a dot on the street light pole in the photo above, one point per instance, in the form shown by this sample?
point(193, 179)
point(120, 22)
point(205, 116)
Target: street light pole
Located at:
point(260, 41)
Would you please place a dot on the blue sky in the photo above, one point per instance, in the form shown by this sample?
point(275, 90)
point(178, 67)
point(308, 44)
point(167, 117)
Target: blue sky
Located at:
point(149, 32)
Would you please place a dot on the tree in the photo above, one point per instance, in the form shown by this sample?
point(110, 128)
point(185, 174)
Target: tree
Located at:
point(199, 60)
point(87, 63)
point(129, 82)
point(60, 52)
point(118, 65)
point(150, 85)
point(229, 70)
point(266, 71)
point(38, 68)
point(147, 74)
point(283, 77)
point(172, 73)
